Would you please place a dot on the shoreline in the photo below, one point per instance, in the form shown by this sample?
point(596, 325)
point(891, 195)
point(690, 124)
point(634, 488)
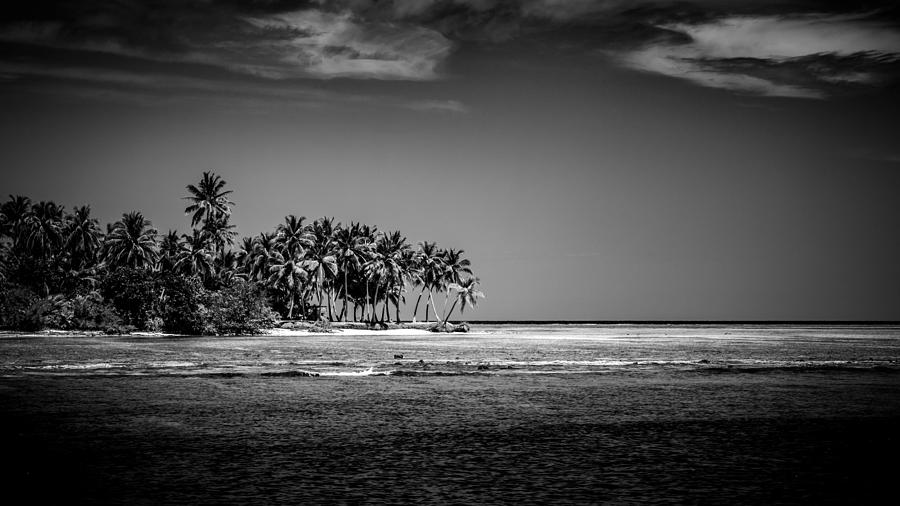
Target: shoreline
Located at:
point(284, 328)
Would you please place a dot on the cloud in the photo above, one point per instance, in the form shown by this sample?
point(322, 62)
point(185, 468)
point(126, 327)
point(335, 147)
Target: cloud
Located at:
point(786, 48)
point(336, 45)
point(302, 43)
point(151, 89)
point(448, 106)
point(799, 56)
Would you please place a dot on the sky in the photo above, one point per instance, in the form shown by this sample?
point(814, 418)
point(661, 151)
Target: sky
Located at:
point(595, 159)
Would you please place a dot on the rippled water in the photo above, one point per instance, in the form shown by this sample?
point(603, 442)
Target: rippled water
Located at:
point(572, 414)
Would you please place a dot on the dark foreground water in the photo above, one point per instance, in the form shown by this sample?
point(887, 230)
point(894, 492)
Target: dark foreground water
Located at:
point(566, 414)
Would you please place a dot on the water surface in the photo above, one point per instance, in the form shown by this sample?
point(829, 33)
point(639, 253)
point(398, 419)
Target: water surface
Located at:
point(507, 414)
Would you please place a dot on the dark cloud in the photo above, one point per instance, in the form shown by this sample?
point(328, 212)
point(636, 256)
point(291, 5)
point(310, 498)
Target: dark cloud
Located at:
point(770, 47)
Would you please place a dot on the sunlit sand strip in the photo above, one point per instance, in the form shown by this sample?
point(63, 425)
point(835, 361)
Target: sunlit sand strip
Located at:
point(348, 332)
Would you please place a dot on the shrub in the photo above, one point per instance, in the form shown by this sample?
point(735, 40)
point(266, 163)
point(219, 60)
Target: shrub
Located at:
point(16, 304)
point(91, 312)
point(133, 293)
point(241, 308)
point(22, 309)
point(182, 310)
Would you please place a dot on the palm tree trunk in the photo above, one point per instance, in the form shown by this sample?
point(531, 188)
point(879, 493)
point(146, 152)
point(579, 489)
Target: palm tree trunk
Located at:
point(433, 306)
point(330, 313)
point(416, 310)
point(290, 305)
point(366, 304)
point(344, 313)
point(375, 301)
point(451, 311)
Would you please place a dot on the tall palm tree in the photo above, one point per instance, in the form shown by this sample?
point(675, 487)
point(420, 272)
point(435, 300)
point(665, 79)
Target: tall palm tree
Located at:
point(466, 294)
point(294, 235)
point(44, 236)
point(264, 246)
point(454, 267)
point(376, 270)
point(431, 267)
point(14, 216)
point(82, 237)
point(287, 275)
point(320, 259)
point(368, 236)
point(350, 250)
point(210, 205)
point(131, 242)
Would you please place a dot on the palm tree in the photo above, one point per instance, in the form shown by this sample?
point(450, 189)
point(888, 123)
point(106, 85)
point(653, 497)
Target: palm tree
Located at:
point(220, 232)
point(320, 260)
point(82, 237)
point(226, 266)
point(170, 250)
point(465, 294)
point(44, 235)
point(454, 267)
point(14, 216)
point(294, 235)
point(195, 258)
point(243, 258)
point(375, 270)
point(287, 275)
point(264, 245)
point(431, 266)
point(210, 204)
point(350, 249)
point(131, 242)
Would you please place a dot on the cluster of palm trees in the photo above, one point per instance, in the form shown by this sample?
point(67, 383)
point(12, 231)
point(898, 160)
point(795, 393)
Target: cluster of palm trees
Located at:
point(321, 268)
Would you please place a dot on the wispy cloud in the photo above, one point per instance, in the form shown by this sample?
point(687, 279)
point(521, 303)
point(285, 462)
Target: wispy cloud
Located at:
point(798, 56)
point(449, 106)
point(335, 45)
point(786, 48)
point(151, 89)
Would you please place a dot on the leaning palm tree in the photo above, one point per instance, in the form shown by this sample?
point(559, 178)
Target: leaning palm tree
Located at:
point(131, 242)
point(431, 268)
point(454, 267)
point(466, 295)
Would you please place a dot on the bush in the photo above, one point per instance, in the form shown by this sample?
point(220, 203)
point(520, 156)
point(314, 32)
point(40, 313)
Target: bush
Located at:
point(133, 293)
point(22, 309)
point(16, 304)
point(182, 309)
point(91, 312)
point(241, 308)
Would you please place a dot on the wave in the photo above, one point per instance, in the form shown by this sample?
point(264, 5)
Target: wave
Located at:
point(286, 369)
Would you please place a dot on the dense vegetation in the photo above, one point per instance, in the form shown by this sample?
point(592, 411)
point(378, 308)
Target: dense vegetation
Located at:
point(58, 269)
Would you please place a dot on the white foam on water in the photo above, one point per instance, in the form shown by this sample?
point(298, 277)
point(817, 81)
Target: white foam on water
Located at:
point(367, 372)
point(90, 366)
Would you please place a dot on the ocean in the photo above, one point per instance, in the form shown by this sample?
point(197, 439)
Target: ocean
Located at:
point(569, 414)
